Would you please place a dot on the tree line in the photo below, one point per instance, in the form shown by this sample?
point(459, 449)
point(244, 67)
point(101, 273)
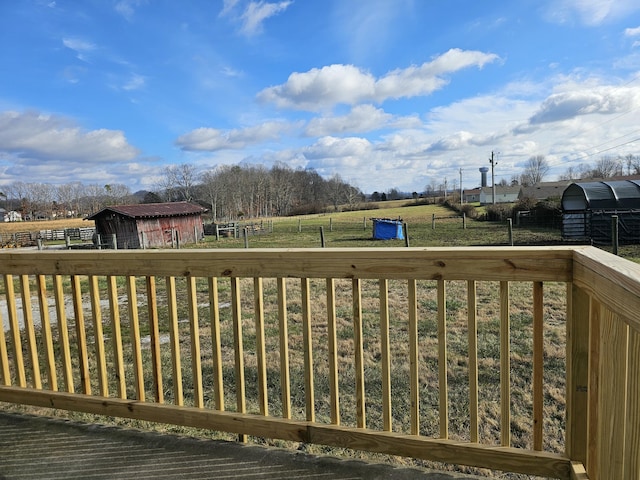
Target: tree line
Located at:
point(232, 192)
point(229, 192)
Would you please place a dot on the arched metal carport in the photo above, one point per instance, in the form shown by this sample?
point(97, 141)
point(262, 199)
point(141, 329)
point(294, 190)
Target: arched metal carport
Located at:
point(587, 209)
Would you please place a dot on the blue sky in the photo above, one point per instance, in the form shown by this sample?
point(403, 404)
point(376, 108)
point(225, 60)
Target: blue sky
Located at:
point(386, 93)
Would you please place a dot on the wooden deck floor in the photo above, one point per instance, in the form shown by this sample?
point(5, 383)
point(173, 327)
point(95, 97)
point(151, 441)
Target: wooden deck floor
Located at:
point(44, 448)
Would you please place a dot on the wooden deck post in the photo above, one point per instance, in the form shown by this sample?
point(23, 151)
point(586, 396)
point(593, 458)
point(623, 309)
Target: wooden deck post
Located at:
point(577, 372)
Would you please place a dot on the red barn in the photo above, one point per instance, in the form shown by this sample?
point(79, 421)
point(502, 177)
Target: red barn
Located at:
point(150, 224)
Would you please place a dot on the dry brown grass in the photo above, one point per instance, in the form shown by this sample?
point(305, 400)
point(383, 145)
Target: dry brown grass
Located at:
point(14, 227)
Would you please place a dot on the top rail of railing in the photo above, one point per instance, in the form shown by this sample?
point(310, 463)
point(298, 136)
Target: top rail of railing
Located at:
point(463, 263)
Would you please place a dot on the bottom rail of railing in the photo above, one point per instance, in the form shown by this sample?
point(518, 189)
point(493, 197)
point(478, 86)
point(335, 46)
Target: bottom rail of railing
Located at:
point(448, 451)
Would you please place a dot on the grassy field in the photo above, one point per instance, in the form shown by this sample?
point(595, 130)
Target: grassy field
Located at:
point(13, 227)
point(354, 229)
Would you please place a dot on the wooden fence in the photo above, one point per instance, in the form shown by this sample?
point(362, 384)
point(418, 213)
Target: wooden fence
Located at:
point(423, 353)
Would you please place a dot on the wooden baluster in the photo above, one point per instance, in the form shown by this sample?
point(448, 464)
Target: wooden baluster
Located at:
point(118, 357)
point(505, 366)
point(358, 345)
point(612, 420)
point(472, 321)
point(333, 352)
point(214, 313)
point(236, 306)
point(285, 380)
point(103, 383)
point(632, 439)
point(14, 329)
point(154, 333)
point(32, 344)
point(174, 338)
point(258, 296)
point(196, 362)
point(134, 325)
point(63, 332)
point(47, 338)
point(308, 350)
point(442, 359)
point(414, 377)
point(81, 335)
point(5, 372)
point(385, 355)
point(538, 364)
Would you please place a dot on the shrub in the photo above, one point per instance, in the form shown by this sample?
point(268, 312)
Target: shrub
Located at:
point(499, 212)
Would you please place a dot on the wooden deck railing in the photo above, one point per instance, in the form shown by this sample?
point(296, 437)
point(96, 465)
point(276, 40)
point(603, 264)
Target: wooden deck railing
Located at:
point(518, 359)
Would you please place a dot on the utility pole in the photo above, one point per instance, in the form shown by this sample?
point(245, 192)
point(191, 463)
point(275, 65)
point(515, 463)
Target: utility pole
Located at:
point(493, 181)
point(461, 197)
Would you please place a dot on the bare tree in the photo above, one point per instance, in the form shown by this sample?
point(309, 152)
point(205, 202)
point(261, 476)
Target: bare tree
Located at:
point(69, 196)
point(117, 194)
point(571, 173)
point(633, 164)
point(178, 182)
point(535, 170)
point(336, 190)
point(607, 167)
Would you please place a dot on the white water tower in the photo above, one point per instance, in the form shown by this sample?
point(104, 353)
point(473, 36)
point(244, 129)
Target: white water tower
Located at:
point(483, 176)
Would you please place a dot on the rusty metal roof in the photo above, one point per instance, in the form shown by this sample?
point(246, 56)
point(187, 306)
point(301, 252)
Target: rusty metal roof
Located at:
point(151, 210)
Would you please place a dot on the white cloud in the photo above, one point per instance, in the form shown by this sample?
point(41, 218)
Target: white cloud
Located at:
point(81, 47)
point(323, 88)
point(228, 6)
point(136, 82)
point(257, 12)
point(50, 138)
point(343, 148)
point(361, 119)
point(571, 104)
point(126, 8)
point(212, 139)
point(589, 12)
point(254, 14)
point(632, 32)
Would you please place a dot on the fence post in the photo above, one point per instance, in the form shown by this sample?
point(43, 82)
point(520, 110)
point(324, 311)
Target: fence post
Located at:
point(364, 223)
point(405, 229)
point(299, 225)
point(464, 221)
point(39, 240)
point(331, 224)
point(177, 234)
point(99, 241)
point(510, 227)
point(195, 234)
point(217, 232)
point(143, 235)
point(67, 241)
point(246, 237)
point(614, 233)
point(322, 236)
point(433, 221)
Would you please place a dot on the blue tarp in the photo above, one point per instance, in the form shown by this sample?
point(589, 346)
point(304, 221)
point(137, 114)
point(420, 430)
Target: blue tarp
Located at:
point(384, 229)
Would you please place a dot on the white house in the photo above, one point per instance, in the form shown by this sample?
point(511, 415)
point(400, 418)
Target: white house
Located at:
point(12, 216)
point(503, 194)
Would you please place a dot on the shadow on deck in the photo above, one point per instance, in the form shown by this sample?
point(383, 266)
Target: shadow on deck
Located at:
point(38, 448)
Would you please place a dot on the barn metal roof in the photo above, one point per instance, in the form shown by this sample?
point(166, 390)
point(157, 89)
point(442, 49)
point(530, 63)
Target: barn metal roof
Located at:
point(605, 195)
point(151, 210)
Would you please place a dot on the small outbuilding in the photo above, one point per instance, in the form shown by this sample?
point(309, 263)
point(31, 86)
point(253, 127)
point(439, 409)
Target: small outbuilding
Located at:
point(587, 210)
point(149, 224)
point(386, 229)
point(508, 194)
